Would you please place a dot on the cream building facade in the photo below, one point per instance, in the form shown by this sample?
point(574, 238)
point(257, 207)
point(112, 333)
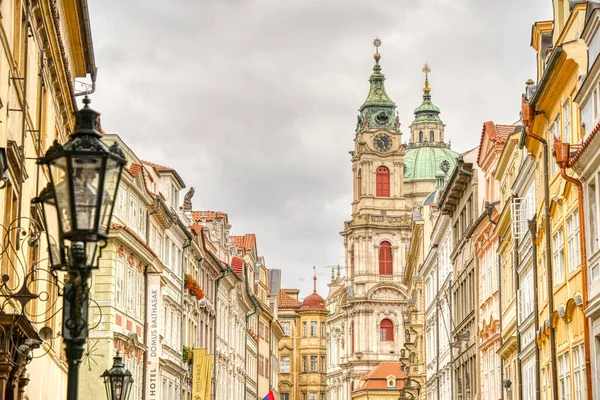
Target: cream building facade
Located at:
point(41, 60)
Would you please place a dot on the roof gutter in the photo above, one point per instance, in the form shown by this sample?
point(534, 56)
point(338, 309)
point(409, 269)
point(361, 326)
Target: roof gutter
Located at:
point(546, 76)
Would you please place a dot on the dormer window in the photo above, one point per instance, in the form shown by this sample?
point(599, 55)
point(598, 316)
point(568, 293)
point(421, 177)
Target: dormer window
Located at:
point(391, 381)
point(174, 197)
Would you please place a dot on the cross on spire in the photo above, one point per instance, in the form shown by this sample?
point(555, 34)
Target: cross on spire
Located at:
point(426, 70)
point(377, 43)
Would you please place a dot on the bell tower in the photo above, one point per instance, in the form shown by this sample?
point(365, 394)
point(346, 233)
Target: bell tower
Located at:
point(377, 158)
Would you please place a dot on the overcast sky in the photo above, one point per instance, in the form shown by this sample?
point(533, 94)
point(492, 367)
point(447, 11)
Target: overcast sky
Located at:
point(254, 102)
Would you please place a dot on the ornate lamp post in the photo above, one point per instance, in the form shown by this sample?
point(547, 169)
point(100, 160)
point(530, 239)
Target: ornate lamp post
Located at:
point(84, 177)
point(117, 380)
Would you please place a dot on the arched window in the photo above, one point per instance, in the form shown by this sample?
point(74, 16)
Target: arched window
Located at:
point(359, 183)
point(383, 182)
point(431, 136)
point(352, 337)
point(421, 137)
point(386, 331)
point(385, 258)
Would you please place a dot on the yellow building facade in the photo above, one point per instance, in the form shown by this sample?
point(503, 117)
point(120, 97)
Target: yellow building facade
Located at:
point(46, 46)
point(549, 113)
point(303, 348)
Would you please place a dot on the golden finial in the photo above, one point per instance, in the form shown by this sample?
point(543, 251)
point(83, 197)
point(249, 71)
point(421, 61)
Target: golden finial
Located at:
point(338, 274)
point(315, 278)
point(377, 43)
point(332, 274)
point(426, 70)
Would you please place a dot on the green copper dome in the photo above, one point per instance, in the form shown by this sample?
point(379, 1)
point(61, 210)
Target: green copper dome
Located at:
point(428, 162)
point(378, 110)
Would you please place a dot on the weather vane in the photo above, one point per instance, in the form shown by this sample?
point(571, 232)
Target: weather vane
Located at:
point(377, 43)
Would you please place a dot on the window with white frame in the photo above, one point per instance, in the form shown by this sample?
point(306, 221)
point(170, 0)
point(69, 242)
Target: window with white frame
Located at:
point(595, 103)
point(567, 121)
point(554, 133)
point(286, 328)
point(559, 257)
point(140, 296)
point(133, 212)
point(313, 328)
point(313, 363)
point(592, 204)
point(529, 379)
point(130, 289)
point(428, 291)
point(121, 209)
point(564, 376)
point(120, 283)
point(526, 296)
point(579, 373)
point(284, 365)
point(573, 250)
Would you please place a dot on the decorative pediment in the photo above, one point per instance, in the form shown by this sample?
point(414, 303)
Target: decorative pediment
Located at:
point(387, 293)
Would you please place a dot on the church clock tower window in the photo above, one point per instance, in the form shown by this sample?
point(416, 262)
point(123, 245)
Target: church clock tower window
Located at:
point(385, 258)
point(383, 182)
point(386, 331)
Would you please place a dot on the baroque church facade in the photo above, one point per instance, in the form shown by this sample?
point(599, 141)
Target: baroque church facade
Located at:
point(391, 181)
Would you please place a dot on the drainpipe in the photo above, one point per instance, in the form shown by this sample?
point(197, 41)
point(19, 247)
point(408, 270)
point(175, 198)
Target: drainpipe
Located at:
point(518, 332)
point(182, 326)
point(214, 377)
point(246, 352)
point(500, 238)
point(536, 317)
point(549, 277)
point(562, 151)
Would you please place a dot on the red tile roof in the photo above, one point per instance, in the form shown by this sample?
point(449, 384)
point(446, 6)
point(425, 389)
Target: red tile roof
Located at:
point(497, 133)
point(377, 379)
point(246, 242)
point(208, 216)
point(134, 170)
point(238, 265)
point(585, 145)
point(313, 302)
point(286, 301)
point(157, 167)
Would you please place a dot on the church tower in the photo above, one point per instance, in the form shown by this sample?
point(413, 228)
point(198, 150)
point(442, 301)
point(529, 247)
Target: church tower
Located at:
point(367, 321)
point(428, 159)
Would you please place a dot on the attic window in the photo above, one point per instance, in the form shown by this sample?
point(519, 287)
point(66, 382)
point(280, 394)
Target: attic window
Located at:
point(391, 381)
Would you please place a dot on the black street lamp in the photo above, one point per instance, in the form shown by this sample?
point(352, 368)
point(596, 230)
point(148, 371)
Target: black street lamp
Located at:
point(84, 177)
point(118, 380)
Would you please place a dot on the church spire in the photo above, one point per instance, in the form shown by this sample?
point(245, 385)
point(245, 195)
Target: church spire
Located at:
point(427, 111)
point(378, 109)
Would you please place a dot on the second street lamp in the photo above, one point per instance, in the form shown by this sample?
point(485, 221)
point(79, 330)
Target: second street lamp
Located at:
point(84, 178)
point(118, 380)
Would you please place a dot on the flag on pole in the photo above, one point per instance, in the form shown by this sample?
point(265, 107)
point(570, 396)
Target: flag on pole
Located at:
point(269, 396)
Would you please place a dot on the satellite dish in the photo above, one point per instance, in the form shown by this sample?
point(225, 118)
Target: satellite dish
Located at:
point(46, 333)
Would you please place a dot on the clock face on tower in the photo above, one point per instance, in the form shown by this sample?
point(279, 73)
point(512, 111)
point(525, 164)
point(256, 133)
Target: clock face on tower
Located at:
point(382, 141)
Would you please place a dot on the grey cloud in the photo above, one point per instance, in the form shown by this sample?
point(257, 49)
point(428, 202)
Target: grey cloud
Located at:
point(254, 102)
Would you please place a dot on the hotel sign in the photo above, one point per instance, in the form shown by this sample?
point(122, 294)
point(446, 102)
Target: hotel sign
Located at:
point(153, 342)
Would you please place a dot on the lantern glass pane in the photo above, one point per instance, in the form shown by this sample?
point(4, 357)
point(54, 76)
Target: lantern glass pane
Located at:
point(107, 385)
point(118, 386)
point(52, 233)
point(62, 193)
point(86, 172)
point(111, 185)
